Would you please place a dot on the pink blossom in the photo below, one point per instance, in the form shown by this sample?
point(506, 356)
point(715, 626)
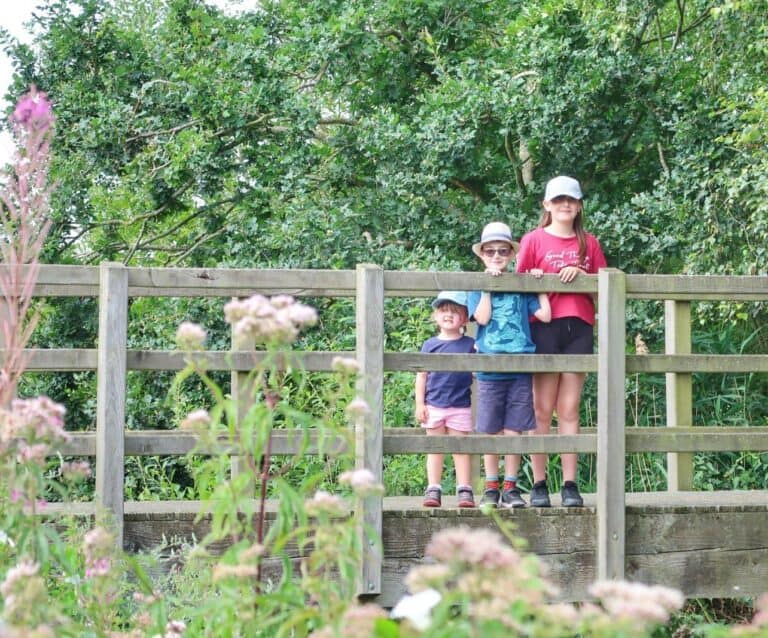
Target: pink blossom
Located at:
point(261, 320)
point(97, 567)
point(281, 301)
point(196, 419)
point(362, 481)
point(325, 503)
point(25, 569)
point(190, 336)
point(33, 111)
point(345, 365)
point(222, 571)
point(358, 407)
point(76, 470)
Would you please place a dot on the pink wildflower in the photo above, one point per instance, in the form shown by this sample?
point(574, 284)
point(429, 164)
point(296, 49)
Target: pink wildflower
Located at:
point(33, 111)
point(325, 503)
point(190, 336)
point(636, 601)
point(97, 547)
point(195, 420)
point(261, 320)
point(345, 365)
point(76, 470)
point(25, 569)
point(223, 571)
point(362, 481)
point(358, 407)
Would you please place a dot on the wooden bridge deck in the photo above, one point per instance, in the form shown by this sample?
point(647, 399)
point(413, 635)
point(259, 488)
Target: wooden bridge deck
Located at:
point(705, 544)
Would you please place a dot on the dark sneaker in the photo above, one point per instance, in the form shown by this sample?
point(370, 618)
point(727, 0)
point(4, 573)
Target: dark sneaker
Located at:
point(511, 498)
point(570, 495)
point(465, 497)
point(432, 497)
point(539, 496)
point(491, 497)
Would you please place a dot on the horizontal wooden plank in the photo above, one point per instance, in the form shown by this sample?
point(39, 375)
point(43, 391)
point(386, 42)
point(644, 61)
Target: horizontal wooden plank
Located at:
point(71, 280)
point(236, 360)
point(427, 283)
point(705, 363)
point(414, 441)
point(75, 359)
point(416, 362)
point(693, 287)
point(221, 282)
point(681, 542)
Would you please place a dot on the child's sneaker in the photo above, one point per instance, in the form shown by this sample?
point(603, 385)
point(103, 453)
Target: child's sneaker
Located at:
point(491, 497)
point(465, 497)
point(432, 497)
point(570, 496)
point(511, 498)
point(539, 496)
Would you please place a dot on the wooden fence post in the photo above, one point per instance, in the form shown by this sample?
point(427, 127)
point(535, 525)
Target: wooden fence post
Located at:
point(677, 340)
point(369, 435)
point(110, 395)
point(611, 444)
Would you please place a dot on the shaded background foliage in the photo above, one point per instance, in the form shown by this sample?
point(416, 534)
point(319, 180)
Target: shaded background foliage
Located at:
point(323, 133)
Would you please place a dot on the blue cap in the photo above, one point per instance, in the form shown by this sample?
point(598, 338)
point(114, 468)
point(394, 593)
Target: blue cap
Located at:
point(454, 296)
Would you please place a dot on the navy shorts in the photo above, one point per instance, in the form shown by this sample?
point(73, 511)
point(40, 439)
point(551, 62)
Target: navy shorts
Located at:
point(567, 335)
point(505, 404)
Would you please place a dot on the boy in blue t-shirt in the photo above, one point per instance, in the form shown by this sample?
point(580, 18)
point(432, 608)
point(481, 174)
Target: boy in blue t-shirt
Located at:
point(443, 398)
point(504, 399)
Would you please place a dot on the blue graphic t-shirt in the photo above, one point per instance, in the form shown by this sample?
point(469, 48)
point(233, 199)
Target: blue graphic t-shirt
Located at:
point(449, 389)
point(508, 331)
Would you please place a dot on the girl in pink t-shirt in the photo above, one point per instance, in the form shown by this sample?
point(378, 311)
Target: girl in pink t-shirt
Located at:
point(561, 246)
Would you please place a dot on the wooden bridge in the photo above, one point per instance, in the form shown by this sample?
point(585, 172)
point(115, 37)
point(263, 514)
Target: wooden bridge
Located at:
point(707, 544)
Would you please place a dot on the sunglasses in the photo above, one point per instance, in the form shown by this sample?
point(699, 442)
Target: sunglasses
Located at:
point(501, 252)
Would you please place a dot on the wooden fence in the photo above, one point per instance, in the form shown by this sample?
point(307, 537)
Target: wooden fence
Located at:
point(369, 285)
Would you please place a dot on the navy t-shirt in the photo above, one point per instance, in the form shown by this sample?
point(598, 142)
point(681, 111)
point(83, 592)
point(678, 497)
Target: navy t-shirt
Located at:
point(449, 389)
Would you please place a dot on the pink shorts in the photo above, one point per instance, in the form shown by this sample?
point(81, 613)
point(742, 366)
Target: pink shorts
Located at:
point(459, 419)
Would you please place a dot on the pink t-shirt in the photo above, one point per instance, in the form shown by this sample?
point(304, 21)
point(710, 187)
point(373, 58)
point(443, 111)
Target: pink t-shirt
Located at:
point(539, 249)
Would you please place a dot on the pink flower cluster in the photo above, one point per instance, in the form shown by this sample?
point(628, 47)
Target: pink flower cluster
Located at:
point(31, 427)
point(76, 470)
point(196, 420)
point(479, 547)
point(98, 546)
point(325, 503)
point(362, 481)
point(262, 320)
point(190, 336)
point(637, 602)
point(23, 591)
point(33, 111)
point(358, 621)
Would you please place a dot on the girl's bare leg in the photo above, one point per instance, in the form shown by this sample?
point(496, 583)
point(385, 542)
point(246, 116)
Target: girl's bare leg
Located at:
point(462, 463)
point(545, 391)
point(435, 461)
point(568, 401)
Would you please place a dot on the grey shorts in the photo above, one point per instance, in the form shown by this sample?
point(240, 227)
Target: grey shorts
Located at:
point(506, 404)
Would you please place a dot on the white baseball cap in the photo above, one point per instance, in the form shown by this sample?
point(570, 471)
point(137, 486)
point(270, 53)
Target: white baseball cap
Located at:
point(562, 185)
point(495, 231)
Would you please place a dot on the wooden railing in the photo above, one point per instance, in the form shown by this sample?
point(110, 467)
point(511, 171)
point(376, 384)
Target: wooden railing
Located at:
point(114, 284)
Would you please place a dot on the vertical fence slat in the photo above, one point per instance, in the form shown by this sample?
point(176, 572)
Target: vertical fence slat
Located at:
point(369, 439)
point(611, 444)
point(110, 394)
point(677, 340)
